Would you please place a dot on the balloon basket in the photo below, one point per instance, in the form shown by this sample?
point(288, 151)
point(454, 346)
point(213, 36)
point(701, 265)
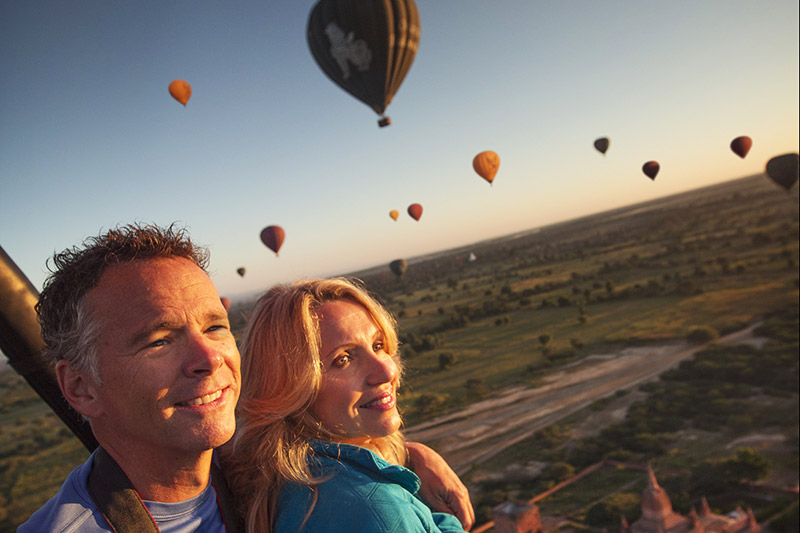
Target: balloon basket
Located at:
point(384, 121)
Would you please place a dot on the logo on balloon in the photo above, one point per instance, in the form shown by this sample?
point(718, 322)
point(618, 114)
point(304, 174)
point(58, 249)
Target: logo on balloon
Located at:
point(345, 50)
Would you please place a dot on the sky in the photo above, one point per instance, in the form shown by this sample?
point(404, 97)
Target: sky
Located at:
point(90, 137)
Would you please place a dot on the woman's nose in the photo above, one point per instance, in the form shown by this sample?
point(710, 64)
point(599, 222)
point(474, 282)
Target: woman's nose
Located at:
point(383, 369)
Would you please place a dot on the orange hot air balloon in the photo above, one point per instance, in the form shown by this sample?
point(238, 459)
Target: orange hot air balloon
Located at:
point(651, 169)
point(415, 210)
point(486, 165)
point(272, 237)
point(180, 91)
point(601, 145)
point(394, 213)
point(741, 145)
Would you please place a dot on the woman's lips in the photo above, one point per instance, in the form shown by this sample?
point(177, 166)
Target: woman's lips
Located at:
point(384, 402)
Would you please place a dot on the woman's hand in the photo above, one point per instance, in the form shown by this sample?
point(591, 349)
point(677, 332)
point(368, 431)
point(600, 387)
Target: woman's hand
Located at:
point(440, 487)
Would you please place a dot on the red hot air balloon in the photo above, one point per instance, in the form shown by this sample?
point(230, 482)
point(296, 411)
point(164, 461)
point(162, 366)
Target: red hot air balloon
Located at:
point(365, 47)
point(272, 237)
point(415, 210)
point(486, 165)
point(741, 145)
point(651, 169)
point(180, 91)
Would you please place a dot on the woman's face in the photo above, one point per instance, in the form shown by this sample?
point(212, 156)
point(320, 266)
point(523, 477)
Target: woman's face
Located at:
point(357, 399)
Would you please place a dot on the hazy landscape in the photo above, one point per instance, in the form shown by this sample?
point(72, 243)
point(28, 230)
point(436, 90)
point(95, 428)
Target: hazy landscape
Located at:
point(662, 333)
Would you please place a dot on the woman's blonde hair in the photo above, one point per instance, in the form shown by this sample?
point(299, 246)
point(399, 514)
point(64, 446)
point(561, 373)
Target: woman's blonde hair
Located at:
point(281, 377)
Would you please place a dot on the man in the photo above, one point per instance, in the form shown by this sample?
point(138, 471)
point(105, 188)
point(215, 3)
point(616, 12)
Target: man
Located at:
point(142, 348)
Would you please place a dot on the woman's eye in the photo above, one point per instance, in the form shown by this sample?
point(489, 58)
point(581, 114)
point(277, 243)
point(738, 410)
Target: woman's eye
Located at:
point(377, 347)
point(342, 361)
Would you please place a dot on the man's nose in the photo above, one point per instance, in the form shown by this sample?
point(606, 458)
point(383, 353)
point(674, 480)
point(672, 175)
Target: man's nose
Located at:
point(203, 357)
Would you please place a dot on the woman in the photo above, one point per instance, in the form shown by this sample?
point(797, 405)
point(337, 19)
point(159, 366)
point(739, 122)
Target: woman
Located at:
point(318, 444)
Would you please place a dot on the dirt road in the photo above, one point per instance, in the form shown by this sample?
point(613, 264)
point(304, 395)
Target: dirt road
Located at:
point(488, 427)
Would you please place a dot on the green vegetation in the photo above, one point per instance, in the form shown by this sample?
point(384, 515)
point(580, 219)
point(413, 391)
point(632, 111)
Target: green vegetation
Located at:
point(689, 267)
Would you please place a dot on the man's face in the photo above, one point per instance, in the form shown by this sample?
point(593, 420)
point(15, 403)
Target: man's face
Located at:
point(167, 358)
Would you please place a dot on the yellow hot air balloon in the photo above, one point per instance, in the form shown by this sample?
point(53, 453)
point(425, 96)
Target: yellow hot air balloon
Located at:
point(486, 165)
point(180, 91)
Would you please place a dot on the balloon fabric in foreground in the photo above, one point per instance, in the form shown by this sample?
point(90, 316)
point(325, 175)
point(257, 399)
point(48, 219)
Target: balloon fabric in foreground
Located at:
point(365, 46)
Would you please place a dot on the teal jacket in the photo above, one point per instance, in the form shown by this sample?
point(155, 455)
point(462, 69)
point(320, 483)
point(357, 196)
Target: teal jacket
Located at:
point(362, 494)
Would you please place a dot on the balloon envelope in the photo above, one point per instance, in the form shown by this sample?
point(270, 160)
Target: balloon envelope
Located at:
point(180, 91)
point(394, 213)
point(783, 169)
point(651, 169)
point(241, 271)
point(415, 210)
point(601, 144)
point(486, 165)
point(741, 145)
point(272, 237)
point(365, 47)
point(398, 266)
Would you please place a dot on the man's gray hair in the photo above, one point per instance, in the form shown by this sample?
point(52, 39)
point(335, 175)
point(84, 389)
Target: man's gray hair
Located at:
point(68, 331)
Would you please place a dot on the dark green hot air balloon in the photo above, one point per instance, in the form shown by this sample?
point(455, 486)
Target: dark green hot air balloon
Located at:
point(398, 266)
point(783, 170)
point(365, 46)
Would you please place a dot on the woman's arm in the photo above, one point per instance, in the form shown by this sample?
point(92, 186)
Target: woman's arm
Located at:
point(440, 487)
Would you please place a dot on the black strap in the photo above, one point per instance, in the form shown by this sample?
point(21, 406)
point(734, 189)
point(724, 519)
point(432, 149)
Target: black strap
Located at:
point(123, 508)
point(116, 498)
point(233, 520)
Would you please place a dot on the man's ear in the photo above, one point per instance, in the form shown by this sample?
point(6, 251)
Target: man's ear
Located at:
point(79, 390)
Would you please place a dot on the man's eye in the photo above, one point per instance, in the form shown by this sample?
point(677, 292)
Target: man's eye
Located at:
point(157, 343)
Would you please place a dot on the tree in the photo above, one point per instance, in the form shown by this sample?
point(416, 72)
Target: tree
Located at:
point(446, 360)
point(702, 335)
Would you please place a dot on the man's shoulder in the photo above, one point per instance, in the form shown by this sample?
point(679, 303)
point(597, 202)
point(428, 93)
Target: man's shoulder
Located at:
point(70, 510)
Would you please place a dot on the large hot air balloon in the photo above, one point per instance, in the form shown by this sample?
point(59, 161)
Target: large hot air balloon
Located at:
point(365, 47)
point(741, 145)
point(398, 266)
point(180, 91)
point(241, 271)
point(394, 213)
point(272, 237)
point(601, 145)
point(783, 170)
point(651, 169)
point(486, 165)
point(415, 210)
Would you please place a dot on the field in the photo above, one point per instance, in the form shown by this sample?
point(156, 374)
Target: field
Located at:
point(578, 320)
